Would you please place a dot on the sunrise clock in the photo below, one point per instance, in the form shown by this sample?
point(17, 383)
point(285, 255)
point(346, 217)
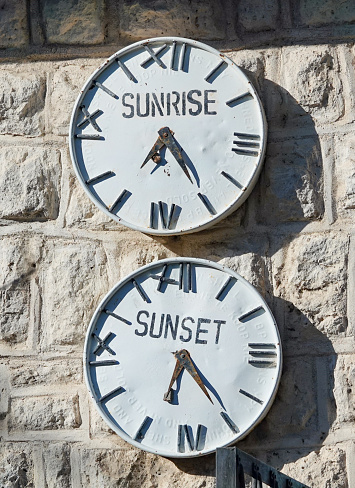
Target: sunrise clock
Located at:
point(168, 136)
point(182, 356)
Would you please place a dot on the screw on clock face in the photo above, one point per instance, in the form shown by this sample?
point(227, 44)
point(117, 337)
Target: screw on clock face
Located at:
point(183, 361)
point(166, 139)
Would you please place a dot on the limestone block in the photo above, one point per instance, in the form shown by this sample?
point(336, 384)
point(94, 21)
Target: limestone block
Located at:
point(67, 81)
point(253, 62)
point(294, 411)
point(49, 372)
point(83, 214)
point(195, 19)
point(74, 21)
point(311, 75)
point(15, 313)
point(16, 465)
point(13, 24)
point(291, 185)
point(29, 183)
point(256, 16)
point(345, 165)
point(312, 284)
point(100, 430)
point(74, 280)
point(137, 469)
point(22, 99)
point(44, 413)
point(321, 468)
point(56, 459)
point(344, 389)
point(320, 12)
point(18, 263)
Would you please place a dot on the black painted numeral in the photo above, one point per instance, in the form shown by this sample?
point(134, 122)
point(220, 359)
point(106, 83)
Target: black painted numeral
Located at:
point(102, 344)
point(185, 277)
point(249, 315)
point(111, 394)
point(262, 354)
point(168, 217)
point(101, 177)
point(186, 438)
point(252, 397)
point(141, 432)
point(246, 144)
point(233, 427)
point(126, 71)
point(120, 200)
point(217, 70)
point(154, 56)
point(163, 279)
point(204, 199)
point(178, 56)
point(233, 102)
point(89, 118)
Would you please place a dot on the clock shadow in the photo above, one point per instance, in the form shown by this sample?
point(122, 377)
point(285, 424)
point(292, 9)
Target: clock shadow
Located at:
point(209, 386)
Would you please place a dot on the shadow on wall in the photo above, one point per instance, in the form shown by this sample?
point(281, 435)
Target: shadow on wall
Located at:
point(287, 197)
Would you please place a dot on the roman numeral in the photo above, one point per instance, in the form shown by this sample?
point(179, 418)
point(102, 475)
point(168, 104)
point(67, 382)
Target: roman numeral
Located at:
point(123, 197)
point(140, 290)
point(239, 99)
point(140, 434)
point(263, 354)
point(207, 203)
point(250, 314)
point(252, 397)
point(185, 277)
point(167, 217)
point(103, 344)
point(229, 422)
point(246, 144)
point(101, 177)
point(126, 71)
point(153, 56)
point(225, 288)
point(233, 180)
point(108, 362)
point(89, 118)
point(216, 72)
point(105, 89)
point(163, 279)
point(112, 393)
point(118, 317)
point(185, 436)
point(95, 137)
point(178, 59)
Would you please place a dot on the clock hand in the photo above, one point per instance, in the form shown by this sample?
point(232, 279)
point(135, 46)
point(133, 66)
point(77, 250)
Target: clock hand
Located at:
point(178, 368)
point(183, 360)
point(166, 135)
point(153, 153)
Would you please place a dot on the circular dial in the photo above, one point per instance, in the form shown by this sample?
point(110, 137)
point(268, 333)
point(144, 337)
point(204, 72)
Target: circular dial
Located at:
point(182, 356)
point(168, 136)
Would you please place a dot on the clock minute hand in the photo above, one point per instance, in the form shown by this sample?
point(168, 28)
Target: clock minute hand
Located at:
point(167, 137)
point(184, 358)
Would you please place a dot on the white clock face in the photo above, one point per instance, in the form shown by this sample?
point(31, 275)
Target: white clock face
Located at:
point(168, 136)
point(182, 356)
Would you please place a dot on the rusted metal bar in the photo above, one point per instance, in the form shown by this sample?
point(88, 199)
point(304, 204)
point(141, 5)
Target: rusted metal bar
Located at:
point(232, 464)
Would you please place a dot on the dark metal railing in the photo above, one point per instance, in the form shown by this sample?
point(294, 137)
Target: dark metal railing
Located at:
point(232, 465)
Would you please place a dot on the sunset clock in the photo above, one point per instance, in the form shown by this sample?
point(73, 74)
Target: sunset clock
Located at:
point(182, 356)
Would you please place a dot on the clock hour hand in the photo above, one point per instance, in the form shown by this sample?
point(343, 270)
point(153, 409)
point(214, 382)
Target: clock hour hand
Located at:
point(183, 360)
point(178, 368)
point(153, 153)
point(167, 137)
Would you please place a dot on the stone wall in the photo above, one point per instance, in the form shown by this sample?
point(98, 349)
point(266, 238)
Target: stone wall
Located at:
point(293, 238)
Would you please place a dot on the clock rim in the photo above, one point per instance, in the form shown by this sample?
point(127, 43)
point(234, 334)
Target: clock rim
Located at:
point(215, 219)
point(101, 306)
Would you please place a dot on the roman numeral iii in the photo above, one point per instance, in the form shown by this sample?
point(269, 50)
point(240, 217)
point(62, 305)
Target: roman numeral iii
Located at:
point(246, 144)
